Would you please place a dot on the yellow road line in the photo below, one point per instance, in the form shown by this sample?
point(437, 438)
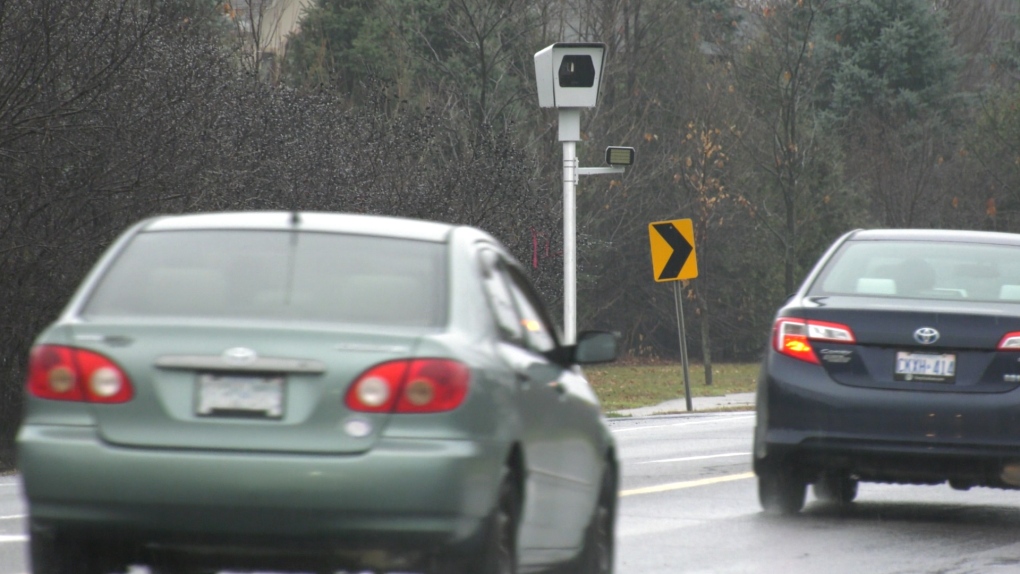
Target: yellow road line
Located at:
point(687, 484)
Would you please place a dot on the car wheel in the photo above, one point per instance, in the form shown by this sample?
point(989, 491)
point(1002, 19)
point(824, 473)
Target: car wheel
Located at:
point(500, 554)
point(497, 553)
point(835, 487)
point(49, 554)
point(597, 554)
point(780, 491)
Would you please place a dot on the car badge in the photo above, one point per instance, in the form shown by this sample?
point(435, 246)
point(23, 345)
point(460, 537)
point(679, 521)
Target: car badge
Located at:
point(239, 356)
point(926, 335)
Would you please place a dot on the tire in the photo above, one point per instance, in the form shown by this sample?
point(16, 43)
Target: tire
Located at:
point(781, 491)
point(497, 552)
point(835, 487)
point(49, 554)
point(597, 554)
point(165, 569)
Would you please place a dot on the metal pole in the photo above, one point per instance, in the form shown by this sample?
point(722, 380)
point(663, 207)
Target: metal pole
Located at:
point(569, 242)
point(683, 342)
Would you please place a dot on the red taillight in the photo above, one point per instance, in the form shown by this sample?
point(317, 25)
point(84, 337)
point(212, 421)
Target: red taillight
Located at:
point(1010, 342)
point(410, 386)
point(792, 337)
point(68, 374)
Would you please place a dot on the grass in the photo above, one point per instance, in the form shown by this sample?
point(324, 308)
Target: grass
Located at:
point(631, 385)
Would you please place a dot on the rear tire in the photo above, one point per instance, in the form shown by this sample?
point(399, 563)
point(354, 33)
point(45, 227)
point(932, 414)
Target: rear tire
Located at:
point(596, 556)
point(497, 552)
point(835, 487)
point(781, 491)
point(50, 554)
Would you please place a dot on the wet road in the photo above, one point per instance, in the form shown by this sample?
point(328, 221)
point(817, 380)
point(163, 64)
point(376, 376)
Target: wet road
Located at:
point(688, 505)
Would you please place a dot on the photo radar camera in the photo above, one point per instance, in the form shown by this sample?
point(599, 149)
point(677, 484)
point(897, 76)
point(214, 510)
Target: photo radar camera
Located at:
point(569, 74)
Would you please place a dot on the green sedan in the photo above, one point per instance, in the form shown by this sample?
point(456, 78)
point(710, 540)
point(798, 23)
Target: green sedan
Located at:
point(313, 392)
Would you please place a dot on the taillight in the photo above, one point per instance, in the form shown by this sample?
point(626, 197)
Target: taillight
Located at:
point(1010, 342)
point(792, 337)
point(69, 374)
point(410, 386)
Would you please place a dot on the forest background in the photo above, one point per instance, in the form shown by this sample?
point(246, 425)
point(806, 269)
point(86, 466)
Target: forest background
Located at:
point(775, 125)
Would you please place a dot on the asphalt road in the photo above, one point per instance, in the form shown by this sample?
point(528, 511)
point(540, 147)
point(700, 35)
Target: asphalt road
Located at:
point(688, 505)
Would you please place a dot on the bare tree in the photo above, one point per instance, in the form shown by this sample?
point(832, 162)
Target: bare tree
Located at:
point(778, 78)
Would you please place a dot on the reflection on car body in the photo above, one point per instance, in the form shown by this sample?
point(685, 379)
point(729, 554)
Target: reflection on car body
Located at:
point(313, 391)
point(896, 361)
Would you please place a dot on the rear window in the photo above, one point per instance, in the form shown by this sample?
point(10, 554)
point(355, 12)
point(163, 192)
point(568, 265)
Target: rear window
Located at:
point(276, 275)
point(927, 270)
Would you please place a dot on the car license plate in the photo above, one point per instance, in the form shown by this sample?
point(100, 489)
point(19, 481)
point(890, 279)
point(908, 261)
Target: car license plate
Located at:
point(925, 367)
point(240, 395)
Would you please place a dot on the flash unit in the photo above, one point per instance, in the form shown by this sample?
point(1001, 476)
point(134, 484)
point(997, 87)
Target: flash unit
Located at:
point(619, 155)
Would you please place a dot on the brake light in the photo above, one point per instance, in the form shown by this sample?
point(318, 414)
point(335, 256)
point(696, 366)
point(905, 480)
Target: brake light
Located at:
point(792, 337)
point(410, 386)
point(1010, 342)
point(68, 374)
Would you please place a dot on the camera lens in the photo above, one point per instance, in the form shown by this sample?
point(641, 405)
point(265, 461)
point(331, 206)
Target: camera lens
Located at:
point(577, 72)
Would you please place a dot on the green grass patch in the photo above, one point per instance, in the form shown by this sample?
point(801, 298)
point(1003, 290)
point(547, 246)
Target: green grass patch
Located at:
point(628, 386)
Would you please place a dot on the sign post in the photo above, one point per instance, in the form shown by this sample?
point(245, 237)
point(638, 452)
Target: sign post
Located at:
point(674, 260)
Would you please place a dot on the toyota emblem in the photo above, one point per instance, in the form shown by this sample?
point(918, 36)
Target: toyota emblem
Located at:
point(926, 335)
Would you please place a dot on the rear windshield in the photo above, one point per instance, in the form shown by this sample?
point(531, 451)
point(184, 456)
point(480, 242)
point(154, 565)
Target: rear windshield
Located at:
point(927, 270)
point(276, 275)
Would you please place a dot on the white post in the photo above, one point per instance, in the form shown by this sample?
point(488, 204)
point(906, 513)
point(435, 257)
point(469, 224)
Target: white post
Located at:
point(570, 134)
point(569, 243)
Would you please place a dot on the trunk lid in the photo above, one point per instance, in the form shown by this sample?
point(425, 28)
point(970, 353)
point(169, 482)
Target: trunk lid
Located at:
point(957, 341)
point(248, 387)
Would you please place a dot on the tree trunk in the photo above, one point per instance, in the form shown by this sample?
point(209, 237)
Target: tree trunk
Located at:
point(706, 340)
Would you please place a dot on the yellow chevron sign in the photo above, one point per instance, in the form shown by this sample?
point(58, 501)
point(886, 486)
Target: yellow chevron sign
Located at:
point(673, 256)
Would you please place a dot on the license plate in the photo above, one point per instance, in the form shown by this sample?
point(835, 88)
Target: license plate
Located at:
point(240, 395)
point(925, 367)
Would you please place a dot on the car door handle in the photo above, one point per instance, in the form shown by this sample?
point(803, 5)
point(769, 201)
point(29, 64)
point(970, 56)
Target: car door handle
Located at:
point(523, 380)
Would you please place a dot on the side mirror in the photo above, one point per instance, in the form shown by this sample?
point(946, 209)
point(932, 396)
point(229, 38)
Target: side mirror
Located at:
point(595, 347)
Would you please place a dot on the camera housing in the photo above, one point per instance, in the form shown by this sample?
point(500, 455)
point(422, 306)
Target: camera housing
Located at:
point(569, 74)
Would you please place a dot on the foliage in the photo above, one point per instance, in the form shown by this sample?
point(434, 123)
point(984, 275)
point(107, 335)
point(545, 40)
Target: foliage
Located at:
point(888, 57)
point(114, 110)
point(776, 125)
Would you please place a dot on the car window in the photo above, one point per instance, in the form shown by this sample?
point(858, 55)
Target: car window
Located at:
point(322, 277)
point(538, 331)
point(500, 299)
point(969, 271)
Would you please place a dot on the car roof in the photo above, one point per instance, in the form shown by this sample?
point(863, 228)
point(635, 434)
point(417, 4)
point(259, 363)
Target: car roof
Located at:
point(951, 235)
point(359, 224)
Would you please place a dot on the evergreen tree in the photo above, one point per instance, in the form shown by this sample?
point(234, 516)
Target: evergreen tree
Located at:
point(891, 58)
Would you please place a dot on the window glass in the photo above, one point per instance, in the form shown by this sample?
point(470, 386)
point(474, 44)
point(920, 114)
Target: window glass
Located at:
point(500, 299)
point(325, 277)
point(929, 270)
point(539, 334)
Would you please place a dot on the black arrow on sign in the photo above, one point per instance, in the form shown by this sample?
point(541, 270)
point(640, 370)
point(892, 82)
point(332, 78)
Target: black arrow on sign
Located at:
point(681, 250)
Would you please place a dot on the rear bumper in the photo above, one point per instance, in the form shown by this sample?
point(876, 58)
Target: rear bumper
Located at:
point(402, 494)
point(811, 423)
